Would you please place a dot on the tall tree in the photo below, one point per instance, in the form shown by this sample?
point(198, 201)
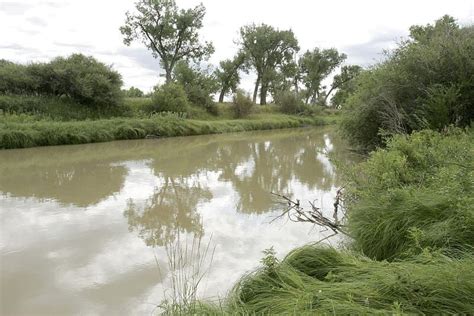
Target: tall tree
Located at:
point(267, 49)
point(170, 33)
point(315, 66)
point(228, 74)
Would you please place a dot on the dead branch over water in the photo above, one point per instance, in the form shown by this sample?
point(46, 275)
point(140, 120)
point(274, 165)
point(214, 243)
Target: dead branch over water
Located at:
point(297, 213)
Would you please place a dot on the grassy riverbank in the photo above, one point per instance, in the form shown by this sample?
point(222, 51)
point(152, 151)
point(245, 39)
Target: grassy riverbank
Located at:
point(411, 222)
point(44, 121)
point(21, 134)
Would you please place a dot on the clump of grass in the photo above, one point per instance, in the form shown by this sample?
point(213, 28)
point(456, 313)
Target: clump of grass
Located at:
point(46, 133)
point(315, 280)
point(417, 193)
point(188, 264)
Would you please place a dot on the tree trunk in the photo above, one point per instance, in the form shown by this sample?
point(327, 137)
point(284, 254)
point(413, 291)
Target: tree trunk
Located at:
point(221, 96)
point(255, 91)
point(168, 75)
point(263, 94)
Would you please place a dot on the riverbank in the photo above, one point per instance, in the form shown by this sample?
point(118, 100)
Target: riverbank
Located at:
point(411, 227)
point(23, 134)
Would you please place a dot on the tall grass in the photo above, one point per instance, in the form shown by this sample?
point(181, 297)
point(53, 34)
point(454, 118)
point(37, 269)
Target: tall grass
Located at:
point(46, 133)
point(188, 264)
point(314, 280)
point(417, 193)
point(58, 108)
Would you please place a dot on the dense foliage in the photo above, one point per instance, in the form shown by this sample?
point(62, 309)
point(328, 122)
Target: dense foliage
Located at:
point(81, 78)
point(199, 85)
point(418, 193)
point(170, 97)
point(427, 82)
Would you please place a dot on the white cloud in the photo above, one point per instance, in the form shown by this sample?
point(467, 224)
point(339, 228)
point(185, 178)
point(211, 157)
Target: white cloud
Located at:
point(34, 30)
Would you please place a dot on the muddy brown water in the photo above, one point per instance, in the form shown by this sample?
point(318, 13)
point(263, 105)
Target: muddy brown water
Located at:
point(84, 228)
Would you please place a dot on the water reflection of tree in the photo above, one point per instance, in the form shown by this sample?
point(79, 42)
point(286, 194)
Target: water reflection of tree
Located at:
point(182, 173)
point(273, 165)
point(171, 209)
point(81, 184)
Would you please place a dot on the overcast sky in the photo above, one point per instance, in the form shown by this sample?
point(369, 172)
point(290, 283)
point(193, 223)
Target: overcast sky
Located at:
point(38, 30)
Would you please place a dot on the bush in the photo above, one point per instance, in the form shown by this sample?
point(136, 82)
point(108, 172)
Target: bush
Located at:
point(169, 97)
point(416, 194)
point(426, 82)
point(242, 104)
point(83, 79)
point(289, 102)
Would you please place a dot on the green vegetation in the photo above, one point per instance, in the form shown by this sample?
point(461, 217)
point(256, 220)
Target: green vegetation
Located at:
point(242, 104)
point(18, 132)
point(427, 82)
point(314, 280)
point(82, 79)
point(169, 97)
point(170, 33)
point(417, 193)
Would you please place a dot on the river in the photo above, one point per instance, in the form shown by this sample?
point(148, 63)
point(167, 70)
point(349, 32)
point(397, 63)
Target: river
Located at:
point(84, 228)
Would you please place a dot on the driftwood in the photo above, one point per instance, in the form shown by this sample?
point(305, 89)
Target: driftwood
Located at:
point(296, 213)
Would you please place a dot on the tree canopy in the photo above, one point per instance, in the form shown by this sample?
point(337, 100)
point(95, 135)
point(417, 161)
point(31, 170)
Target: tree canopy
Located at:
point(267, 49)
point(170, 33)
point(317, 65)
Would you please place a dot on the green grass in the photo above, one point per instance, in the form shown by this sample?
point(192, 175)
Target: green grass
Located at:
point(58, 109)
point(416, 193)
point(15, 134)
point(314, 280)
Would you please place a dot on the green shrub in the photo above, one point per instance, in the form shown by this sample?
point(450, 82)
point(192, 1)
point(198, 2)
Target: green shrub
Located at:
point(289, 102)
point(242, 104)
point(83, 79)
point(416, 194)
point(426, 82)
point(169, 97)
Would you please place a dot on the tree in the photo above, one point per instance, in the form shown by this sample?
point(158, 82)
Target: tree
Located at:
point(266, 50)
point(171, 34)
point(228, 74)
point(198, 83)
point(343, 82)
point(134, 93)
point(315, 66)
